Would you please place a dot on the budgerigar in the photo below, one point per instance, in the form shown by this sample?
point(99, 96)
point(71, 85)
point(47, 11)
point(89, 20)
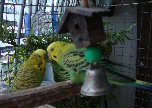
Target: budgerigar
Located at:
point(73, 61)
point(32, 71)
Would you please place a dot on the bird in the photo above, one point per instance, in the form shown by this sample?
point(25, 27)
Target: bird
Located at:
point(73, 60)
point(31, 73)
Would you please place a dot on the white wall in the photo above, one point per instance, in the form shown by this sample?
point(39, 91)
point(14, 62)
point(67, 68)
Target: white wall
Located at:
point(126, 54)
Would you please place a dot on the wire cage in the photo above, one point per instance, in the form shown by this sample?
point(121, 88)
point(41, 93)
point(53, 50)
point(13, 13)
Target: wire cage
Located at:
point(41, 18)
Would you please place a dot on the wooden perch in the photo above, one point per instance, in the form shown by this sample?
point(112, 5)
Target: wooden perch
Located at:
point(39, 96)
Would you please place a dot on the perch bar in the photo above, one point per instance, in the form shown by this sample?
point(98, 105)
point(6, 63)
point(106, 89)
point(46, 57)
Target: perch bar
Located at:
point(39, 96)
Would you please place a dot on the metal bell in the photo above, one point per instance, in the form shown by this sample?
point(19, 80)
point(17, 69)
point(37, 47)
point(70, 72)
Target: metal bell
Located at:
point(95, 83)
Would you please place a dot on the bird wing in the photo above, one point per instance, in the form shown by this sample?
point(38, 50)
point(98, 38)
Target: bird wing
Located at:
point(74, 60)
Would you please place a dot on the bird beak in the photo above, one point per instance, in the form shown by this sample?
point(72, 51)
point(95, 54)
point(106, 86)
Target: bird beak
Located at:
point(46, 56)
point(49, 56)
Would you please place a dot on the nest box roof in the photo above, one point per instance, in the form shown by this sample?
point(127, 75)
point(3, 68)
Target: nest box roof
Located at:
point(83, 11)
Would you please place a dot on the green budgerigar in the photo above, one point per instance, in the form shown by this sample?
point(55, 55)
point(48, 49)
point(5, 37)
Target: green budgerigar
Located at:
point(32, 71)
point(73, 61)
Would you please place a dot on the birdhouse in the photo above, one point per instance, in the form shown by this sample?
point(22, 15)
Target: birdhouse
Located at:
point(84, 24)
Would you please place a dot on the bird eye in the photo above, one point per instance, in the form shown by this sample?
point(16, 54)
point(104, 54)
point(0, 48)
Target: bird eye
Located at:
point(52, 49)
point(55, 56)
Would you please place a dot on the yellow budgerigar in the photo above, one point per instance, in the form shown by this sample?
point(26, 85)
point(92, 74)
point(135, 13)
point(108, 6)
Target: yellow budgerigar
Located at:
point(32, 71)
point(73, 61)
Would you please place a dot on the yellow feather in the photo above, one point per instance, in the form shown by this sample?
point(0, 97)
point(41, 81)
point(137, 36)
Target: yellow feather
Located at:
point(56, 49)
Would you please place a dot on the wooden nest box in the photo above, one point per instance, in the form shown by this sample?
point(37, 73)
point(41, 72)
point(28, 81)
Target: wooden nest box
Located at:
point(84, 24)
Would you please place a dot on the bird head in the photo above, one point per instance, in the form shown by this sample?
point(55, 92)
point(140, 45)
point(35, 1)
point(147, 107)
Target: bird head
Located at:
point(55, 49)
point(42, 54)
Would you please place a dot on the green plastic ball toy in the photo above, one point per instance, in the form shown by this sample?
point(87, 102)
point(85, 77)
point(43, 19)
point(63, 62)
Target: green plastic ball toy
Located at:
point(93, 54)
